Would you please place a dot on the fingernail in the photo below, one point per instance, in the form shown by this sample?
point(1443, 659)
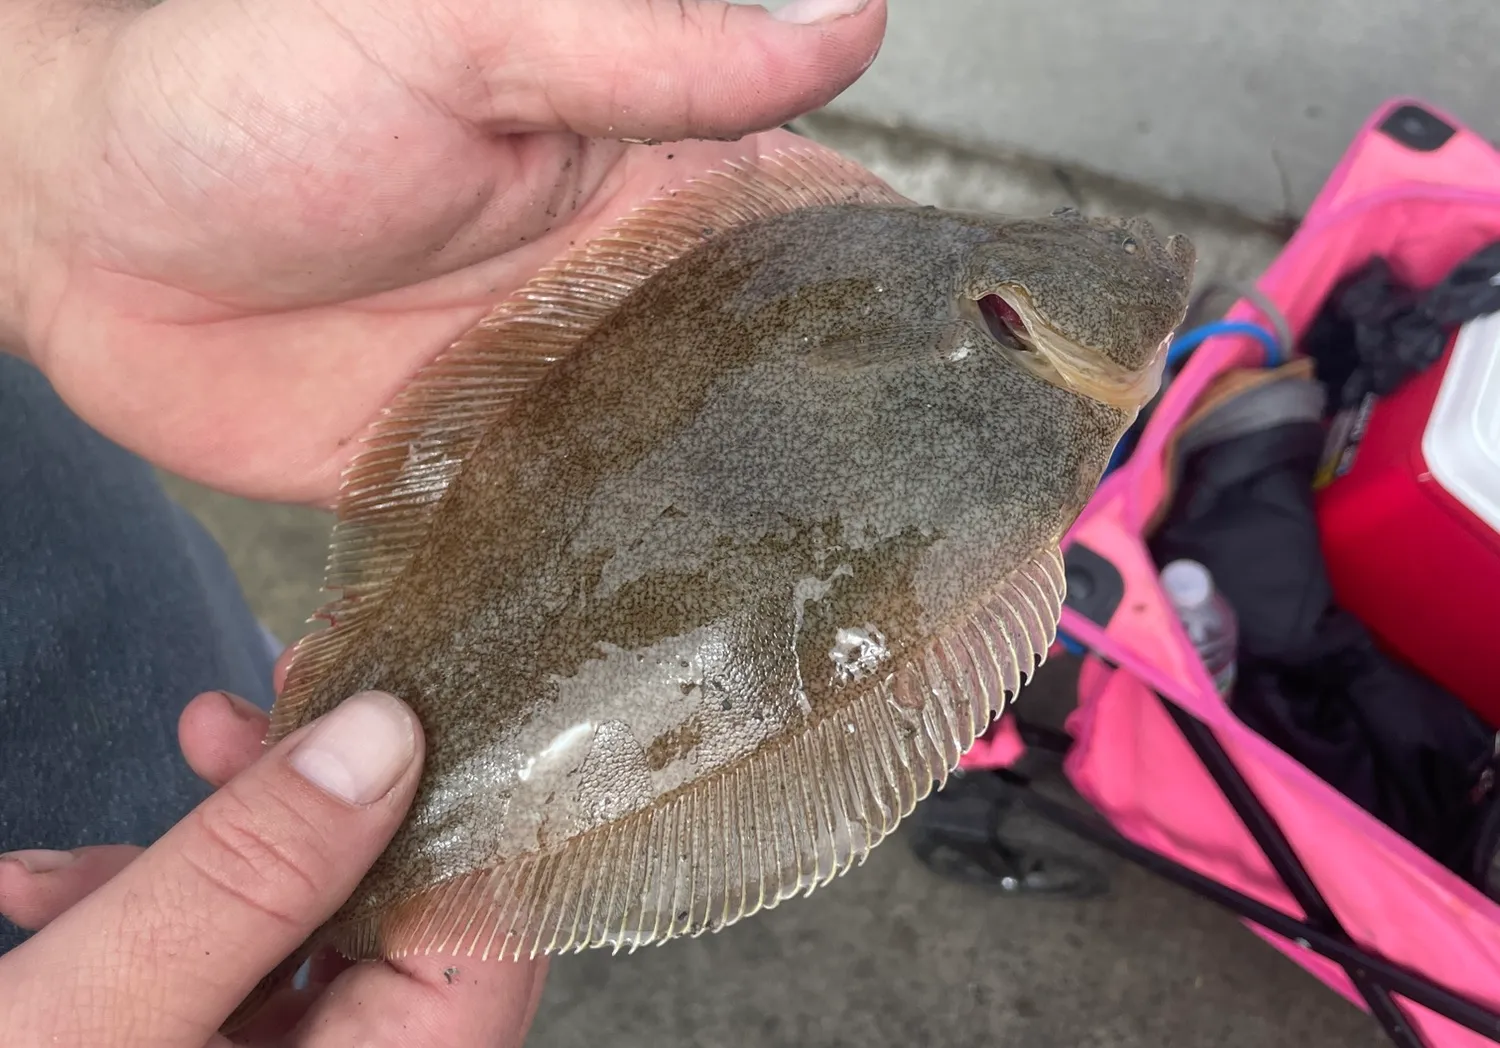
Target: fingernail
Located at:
point(358, 751)
point(39, 860)
point(806, 12)
point(243, 709)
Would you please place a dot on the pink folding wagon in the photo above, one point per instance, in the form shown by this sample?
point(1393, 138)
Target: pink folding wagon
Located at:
point(1177, 782)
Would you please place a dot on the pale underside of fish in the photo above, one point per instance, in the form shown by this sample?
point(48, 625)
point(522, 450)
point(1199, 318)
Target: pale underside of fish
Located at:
point(708, 553)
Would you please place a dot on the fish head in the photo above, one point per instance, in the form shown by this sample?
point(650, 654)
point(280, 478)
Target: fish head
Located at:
point(1086, 303)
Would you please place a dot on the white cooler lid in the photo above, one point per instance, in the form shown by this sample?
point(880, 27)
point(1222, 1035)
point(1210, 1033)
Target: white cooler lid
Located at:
point(1462, 441)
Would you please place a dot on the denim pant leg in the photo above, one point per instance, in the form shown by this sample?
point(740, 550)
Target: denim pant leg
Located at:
point(116, 608)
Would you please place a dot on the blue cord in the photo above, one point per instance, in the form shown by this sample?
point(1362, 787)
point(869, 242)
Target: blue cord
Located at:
point(1191, 340)
point(1184, 344)
point(1071, 646)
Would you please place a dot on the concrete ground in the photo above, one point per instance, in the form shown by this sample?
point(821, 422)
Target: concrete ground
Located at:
point(1248, 103)
point(891, 954)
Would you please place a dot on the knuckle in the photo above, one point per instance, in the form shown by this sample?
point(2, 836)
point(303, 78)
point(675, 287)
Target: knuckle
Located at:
point(263, 856)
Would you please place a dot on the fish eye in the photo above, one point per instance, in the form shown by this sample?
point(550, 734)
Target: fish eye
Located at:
point(1129, 245)
point(1004, 323)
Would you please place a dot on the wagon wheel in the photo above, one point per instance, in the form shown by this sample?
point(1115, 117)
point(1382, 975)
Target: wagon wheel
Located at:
point(977, 831)
point(1032, 871)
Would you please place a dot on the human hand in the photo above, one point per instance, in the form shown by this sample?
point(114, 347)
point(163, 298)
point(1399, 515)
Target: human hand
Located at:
point(249, 224)
point(156, 947)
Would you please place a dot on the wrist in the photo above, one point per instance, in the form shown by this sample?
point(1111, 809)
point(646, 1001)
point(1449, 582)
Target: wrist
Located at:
point(46, 50)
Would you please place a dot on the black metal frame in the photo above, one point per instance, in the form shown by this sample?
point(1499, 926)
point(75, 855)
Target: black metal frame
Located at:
point(1375, 978)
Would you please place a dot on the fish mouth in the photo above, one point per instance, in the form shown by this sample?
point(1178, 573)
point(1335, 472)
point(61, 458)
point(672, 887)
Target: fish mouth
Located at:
point(1012, 321)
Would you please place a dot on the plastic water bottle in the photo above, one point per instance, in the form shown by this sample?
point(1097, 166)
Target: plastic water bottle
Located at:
point(1207, 618)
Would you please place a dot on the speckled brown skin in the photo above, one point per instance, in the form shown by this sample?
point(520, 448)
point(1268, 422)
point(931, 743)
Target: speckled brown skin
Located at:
point(638, 576)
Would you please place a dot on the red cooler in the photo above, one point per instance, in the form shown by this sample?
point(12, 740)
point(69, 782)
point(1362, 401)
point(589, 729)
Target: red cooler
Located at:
point(1410, 520)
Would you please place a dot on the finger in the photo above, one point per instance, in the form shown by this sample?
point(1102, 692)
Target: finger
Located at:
point(326, 966)
point(225, 895)
point(666, 70)
point(37, 886)
point(221, 735)
point(434, 1001)
point(280, 1013)
point(278, 671)
point(643, 69)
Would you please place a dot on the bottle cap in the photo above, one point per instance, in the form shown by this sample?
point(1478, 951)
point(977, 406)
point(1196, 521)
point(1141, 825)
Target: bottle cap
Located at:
point(1188, 583)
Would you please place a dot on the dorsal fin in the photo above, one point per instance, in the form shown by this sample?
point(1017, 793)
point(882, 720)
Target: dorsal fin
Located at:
point(780, 822)
point(415, 450)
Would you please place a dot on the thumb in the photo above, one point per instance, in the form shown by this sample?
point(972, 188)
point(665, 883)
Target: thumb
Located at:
point(202, 915)
point(660, 70)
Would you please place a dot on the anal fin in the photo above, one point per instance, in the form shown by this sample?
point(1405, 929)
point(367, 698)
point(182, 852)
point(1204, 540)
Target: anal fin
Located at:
point(778, 823)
